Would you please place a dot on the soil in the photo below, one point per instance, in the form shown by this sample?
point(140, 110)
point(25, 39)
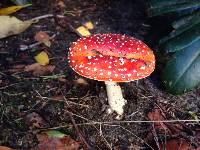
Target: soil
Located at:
point(57, 96)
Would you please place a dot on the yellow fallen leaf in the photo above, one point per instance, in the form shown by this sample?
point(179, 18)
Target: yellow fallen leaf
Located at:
point(42, 58)
point(83, 31)
point(89, 25)
point(12, 9)
point(12, 26)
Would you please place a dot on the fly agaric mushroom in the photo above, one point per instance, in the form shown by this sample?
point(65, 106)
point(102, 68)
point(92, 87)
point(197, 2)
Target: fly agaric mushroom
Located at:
point(112, 58)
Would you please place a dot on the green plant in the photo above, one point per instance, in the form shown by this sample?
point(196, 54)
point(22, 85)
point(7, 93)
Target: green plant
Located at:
point(182, 71)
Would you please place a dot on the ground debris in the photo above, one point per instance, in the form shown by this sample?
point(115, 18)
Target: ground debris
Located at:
point(39, 70)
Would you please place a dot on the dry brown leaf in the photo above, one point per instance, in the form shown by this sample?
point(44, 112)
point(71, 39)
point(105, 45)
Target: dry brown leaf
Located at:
point(176, 144)
point(65, 143)
point(35, 120)
point(81, 81)
point(43, 37)
point(5, 148)
point(156, 115)
point(12, 26)
point(61, 4)
point(39, 70)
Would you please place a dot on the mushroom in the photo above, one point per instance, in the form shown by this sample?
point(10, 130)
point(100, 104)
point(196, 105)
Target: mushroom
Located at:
point(112, 58)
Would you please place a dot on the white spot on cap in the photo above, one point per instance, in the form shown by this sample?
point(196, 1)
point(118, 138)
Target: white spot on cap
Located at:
point(89, 57)
point(133, 60)
point(129, 75)
point(142, 67)
point(109, 73)
point(121, 60)
point(81, 66)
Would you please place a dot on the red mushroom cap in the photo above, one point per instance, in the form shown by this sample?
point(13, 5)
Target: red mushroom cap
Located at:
point(111, 57)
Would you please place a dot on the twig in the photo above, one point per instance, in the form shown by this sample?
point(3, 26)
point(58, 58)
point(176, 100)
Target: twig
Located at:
point(70, 102)
point(137, 137)
point(110, 147)
point(87, 146)
point(46, 16)
point(25, 47)
point(5, 87)
point(137, 121)
point(155, 136)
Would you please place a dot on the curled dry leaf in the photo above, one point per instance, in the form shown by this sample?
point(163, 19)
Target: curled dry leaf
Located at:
point(35, 120)
point(42, 58)
point(12, 26)
point(176, 144)
point(39, 70)
point(156, 115)
point(43, 37)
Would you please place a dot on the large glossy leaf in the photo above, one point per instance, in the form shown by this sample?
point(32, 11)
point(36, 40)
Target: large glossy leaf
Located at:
point(183, 28)
point(189, 6)
point(161, 3)
point(181, 38)
point(187, 20)
point(182, 72)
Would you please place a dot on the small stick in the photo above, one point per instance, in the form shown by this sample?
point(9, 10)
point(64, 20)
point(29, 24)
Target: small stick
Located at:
point(25, 47)
point(155, 136)
point(86, 145)
point(46, 16)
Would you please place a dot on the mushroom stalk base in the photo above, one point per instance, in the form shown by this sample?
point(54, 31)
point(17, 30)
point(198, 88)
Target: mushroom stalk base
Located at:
point(115, 98)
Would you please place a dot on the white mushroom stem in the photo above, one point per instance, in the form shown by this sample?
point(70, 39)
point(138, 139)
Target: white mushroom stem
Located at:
point(115, 98)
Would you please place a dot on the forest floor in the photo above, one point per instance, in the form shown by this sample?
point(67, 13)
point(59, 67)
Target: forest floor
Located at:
point(64, 101)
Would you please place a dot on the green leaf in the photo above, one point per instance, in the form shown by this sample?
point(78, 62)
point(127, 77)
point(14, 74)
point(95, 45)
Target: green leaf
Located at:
point(155, 11)
point(182, 72)
point(55, 133)
point(181, 38)
point(182, 28)
point(185, 21)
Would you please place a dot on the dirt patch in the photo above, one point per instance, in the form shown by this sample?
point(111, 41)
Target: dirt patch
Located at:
point(22, 94)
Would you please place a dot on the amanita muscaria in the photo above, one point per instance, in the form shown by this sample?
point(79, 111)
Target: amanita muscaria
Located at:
point(112, 58)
